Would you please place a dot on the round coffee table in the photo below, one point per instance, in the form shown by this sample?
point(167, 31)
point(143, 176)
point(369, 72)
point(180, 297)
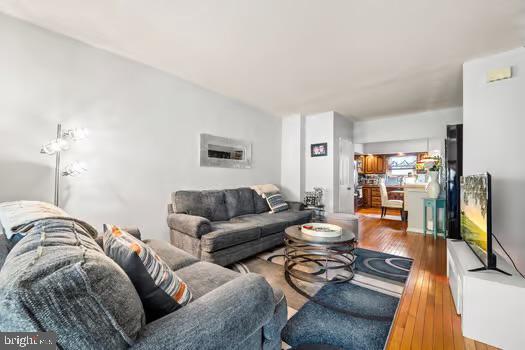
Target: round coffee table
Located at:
point(309, 258)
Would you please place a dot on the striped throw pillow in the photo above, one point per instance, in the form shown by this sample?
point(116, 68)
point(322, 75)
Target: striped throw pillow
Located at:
point(159, 288)
point(276, 202)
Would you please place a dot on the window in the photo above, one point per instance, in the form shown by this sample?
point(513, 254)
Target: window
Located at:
point(402, 165)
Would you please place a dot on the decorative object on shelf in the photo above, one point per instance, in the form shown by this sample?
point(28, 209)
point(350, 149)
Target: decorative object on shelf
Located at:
point(313, 201)
point(321, 230)
point(433, 165)
point(60, 144)
point(224, 152)
point(309, 198)
point(433, 188)
point(319, 149)
point(313, 198)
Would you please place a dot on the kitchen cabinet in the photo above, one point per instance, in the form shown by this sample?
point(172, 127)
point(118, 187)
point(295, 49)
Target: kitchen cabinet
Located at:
point(374, 164)
point(371, 197)
point(380, 164)
point(367, 197)
point(376, 197)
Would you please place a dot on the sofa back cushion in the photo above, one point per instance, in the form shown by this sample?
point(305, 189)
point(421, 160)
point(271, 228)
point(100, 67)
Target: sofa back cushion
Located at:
point(208, 204)
point(239, 201)
point(260, 203)
point(58, 279)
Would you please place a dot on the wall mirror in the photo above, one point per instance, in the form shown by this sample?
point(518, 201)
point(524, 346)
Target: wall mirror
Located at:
point(224, 152)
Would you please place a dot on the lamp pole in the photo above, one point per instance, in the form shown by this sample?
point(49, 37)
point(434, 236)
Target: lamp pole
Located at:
point(57, 167)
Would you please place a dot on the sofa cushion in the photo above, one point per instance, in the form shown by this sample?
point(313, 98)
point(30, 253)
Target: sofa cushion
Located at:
point(239, 201)
point(260, 203)
point(226, 234)
point(208, 204)
point(57, 278)
point(174, 257)
point(159, 288)
point(203, 277)
point(292, 217)
point(269, 224)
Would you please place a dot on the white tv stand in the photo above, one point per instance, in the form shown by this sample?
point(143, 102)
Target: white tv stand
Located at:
point(491, 304)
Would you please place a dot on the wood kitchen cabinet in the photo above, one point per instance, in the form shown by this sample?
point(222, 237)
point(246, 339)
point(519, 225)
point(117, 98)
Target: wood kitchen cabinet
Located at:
point(371, 197)
point(367, 197)
point(374, 164)
point(380, 164)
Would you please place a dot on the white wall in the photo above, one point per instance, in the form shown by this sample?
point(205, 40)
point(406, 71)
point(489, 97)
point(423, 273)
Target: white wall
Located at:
point(292, 157)
point(404, 146)
point(144, 124)
point(430, 124)
point(494, 125)
point(319, 171)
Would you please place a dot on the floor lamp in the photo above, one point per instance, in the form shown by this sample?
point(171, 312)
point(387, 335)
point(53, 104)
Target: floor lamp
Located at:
point(56, 147)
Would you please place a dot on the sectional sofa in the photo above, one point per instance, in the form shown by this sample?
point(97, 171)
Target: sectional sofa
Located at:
point(57, 278)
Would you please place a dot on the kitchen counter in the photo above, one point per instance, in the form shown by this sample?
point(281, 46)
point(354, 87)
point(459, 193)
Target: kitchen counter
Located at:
point(414, 194)
point(398, 186)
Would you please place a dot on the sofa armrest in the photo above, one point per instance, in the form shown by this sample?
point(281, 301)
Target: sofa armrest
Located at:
point(221, 319)
point(192, 225)
point(297, 206)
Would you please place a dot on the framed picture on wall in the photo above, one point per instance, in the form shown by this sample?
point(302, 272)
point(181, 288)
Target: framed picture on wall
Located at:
point(319, 149)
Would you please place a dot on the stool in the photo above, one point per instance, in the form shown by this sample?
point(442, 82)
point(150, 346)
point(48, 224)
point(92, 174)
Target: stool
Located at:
point(435, 204)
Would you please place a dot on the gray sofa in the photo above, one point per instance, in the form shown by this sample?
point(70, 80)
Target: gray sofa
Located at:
point(225, 226)
point(63, 282)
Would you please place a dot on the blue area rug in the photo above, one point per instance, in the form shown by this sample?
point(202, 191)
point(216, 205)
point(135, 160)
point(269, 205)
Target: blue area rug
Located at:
point(349, 316)
point(392, 267)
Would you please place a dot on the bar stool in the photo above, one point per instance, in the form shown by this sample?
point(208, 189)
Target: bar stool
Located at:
point(435, 204)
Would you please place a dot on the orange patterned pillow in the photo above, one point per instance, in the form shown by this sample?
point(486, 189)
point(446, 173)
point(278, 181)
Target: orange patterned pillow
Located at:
point(159, 288)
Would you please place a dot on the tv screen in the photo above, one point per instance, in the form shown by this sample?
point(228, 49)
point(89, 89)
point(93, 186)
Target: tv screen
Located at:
point(476, 215)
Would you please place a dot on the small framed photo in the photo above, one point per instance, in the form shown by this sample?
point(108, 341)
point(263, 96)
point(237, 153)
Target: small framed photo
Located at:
point(319, 149)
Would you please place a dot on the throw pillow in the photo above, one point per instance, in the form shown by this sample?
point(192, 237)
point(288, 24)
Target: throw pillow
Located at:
point(159, 288)
point(276, 202)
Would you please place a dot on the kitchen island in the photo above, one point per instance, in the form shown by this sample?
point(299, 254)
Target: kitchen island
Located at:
point(414, 194)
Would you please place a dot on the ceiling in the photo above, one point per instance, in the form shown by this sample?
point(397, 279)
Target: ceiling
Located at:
point(363, 59)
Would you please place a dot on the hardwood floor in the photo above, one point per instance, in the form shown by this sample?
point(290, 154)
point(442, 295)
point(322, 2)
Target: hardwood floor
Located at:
point(426, 317)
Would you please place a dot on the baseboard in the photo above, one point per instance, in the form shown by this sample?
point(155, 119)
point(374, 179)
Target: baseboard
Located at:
point(415, 230)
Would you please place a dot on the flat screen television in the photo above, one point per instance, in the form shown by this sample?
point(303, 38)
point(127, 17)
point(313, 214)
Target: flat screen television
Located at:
point(476, 215)
point(476, 218)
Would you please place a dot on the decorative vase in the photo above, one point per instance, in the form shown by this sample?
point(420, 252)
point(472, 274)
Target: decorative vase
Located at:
point(433, 187)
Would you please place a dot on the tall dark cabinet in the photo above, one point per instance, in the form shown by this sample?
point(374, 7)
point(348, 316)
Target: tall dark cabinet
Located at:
point(454, 169)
